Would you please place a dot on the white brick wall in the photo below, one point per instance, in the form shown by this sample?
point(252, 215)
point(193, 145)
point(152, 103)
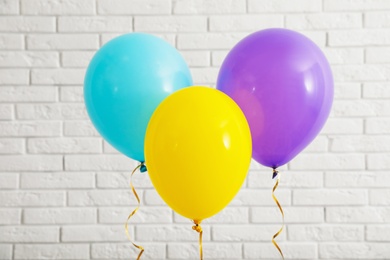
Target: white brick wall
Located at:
point(64, 191)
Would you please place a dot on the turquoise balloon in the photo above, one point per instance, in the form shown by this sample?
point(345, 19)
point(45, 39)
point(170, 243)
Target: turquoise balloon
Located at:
point(125, 82)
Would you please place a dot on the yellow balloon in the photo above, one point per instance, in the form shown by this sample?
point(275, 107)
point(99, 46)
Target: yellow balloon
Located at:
point(198, 149)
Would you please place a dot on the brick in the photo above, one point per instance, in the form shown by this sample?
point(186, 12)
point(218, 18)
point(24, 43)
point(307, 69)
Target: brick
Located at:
point(380, 197)
point(60, 216)
point(58, 7)
point(52, 251)
point(52, 111)
point(5, 250)
point(378, 125)
point(208, 41)
point(358, 214)
point(11, 146)
point(361, 250)
point(98, 163)
point(347, 91)
point(364, 179)
point(343, 126)
point(19, 59)
point(319, 144)
point(132, 7)
point(209, 7)
point(79, 128)
point(62, 42)
point(11, 41)
point(95, 24)
point(76, 59)
point(26, 129)
point(28, 94)
point(361, 108)
point(14, 77)
point(6, 112)
point(290, 179)
point(10, 216)
point(58, 76)
point(292, 215)
point(325, 233)
point(93, 233)
point(205, 75)
point(290, 251)
point(328, 162)
point(9, 7)
point(378, 161)
point(376, 90)
point(102, 197)
point(72, 94)
point(64, 145)
point(246, 233)
point(344, 56)
point(357, 5)
point(152, 198)
point(318, 37)
point(124, 251)
point(30, 163)
point(229, 215)
point(252, 197)
point(324, 21)
point(361, 143)
point(217, 57)
point(301, 6)
point(377, 20)
point(27, 24)
point(241, 23)
point(29, 234)
point(359, 37)
point(58, 180)
point(378, 55)
point(153, 233)
point(9, 180)
point(145, 215)
point(211, 250)
point(32, 198)
point(378, 233)
point(359, 73)
point(170, 24)
point(330, 197)
point(122, 179)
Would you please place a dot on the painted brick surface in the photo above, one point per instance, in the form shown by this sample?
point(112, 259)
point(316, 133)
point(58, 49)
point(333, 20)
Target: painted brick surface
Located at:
point(64, 191)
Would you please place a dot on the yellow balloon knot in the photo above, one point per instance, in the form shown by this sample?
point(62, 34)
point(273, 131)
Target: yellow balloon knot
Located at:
point(197, 228)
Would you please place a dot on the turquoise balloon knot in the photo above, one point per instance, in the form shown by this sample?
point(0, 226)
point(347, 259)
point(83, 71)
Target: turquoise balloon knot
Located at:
point(143, 168)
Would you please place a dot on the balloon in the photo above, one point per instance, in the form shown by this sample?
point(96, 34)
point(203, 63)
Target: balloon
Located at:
point(283, 83)
point(198, 151)
point(125, 81)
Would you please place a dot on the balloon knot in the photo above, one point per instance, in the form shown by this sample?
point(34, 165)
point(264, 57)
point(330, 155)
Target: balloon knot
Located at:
point(197, 228)
point(143, 167)
point(274, 173)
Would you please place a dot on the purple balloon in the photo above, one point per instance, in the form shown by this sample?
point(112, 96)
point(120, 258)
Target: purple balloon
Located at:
point(284, 85)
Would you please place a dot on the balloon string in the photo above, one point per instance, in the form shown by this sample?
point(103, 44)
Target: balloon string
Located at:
point(198, 229)
point(276, 174)
point(134, 211)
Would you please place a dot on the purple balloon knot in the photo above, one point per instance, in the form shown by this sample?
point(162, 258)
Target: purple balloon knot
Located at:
point(275, 173)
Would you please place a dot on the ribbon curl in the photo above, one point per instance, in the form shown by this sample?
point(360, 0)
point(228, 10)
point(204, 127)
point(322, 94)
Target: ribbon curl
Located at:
point(199, 229)
point(134, 211)
point(277, 174)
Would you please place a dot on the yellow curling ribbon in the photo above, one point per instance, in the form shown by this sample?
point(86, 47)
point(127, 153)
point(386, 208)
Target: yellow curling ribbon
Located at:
point(276, 174)
point(134, 211)
point(198, 229)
